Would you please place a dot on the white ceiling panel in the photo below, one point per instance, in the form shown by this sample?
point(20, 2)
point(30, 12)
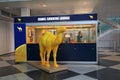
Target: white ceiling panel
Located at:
point(105, 8)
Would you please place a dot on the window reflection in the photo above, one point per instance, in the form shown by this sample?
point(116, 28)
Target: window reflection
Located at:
point(85, 33)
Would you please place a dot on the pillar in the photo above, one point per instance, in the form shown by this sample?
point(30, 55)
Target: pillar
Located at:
point(25, 12)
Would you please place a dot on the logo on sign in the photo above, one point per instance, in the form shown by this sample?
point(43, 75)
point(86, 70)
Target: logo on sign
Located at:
point(19, 29)
point(19, 19)
point(91, 17)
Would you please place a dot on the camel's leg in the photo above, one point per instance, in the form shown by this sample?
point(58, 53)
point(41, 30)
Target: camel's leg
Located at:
point(54, 56)
point(44, 56)
point(48, 56)
point(42, 49)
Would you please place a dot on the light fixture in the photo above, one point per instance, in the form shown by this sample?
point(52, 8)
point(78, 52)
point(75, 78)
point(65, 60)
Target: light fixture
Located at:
point(44, 5)
point(85, 3)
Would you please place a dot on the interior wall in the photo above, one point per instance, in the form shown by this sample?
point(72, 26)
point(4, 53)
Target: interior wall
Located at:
point(110, 40)
point(6, 37)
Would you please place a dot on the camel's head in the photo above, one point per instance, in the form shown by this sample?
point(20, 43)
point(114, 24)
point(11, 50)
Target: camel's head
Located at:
point(61, 29)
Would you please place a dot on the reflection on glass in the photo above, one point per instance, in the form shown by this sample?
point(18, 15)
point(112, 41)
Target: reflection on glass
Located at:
point(74, 34)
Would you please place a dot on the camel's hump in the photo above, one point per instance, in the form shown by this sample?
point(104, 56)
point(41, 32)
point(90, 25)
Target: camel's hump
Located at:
point(49, 34)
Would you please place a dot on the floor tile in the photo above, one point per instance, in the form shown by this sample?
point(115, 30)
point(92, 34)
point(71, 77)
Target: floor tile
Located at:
point(8, 58)
point(118, 55)
point(8, 54)
point(109, 53)
point(4, 63)
point(80, 77)
point(82, 69)
point(105, 74)
point(105, 49)
point(116, 67)
point(8, 70)
point(102, 55)
point(12, 62)
point(113, 58)
point(108, 69)
point(20, 76)
point(41, 75)
point(107, 63)
point(25, 67)
point(0, 59)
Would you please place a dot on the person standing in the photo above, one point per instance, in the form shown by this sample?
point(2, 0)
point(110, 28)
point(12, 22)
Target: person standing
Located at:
point(79, 36)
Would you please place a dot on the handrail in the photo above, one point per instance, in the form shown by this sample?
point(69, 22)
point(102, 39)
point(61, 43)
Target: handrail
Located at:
point(106, 26)
point(109, 23)
point(114, 20)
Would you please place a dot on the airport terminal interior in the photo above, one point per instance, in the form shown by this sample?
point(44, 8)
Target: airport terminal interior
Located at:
point(88, 33)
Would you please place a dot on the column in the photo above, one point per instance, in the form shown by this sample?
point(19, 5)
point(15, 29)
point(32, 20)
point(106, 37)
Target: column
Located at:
point(25, 12)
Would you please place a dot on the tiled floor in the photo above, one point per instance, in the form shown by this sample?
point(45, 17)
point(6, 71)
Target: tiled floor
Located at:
point(107, 69)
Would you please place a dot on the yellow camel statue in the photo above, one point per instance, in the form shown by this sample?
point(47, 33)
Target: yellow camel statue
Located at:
point(49, 42)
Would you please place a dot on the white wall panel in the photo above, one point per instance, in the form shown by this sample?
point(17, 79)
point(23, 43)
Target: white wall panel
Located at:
point(110, 40)
point(6, 37)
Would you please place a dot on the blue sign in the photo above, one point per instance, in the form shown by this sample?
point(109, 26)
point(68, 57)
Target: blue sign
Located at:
point(20, 34)
point(75, 17)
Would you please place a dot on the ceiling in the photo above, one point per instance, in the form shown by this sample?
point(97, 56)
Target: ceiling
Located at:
point(104, 8)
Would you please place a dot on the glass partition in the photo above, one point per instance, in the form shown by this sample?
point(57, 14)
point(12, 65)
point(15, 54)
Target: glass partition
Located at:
point(78, 33)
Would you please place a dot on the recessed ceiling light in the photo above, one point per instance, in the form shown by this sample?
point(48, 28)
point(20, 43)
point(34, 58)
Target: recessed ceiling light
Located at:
point(85, 3)
point(44, 5)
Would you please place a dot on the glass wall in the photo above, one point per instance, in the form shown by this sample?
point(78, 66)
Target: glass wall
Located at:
point(78, 33)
